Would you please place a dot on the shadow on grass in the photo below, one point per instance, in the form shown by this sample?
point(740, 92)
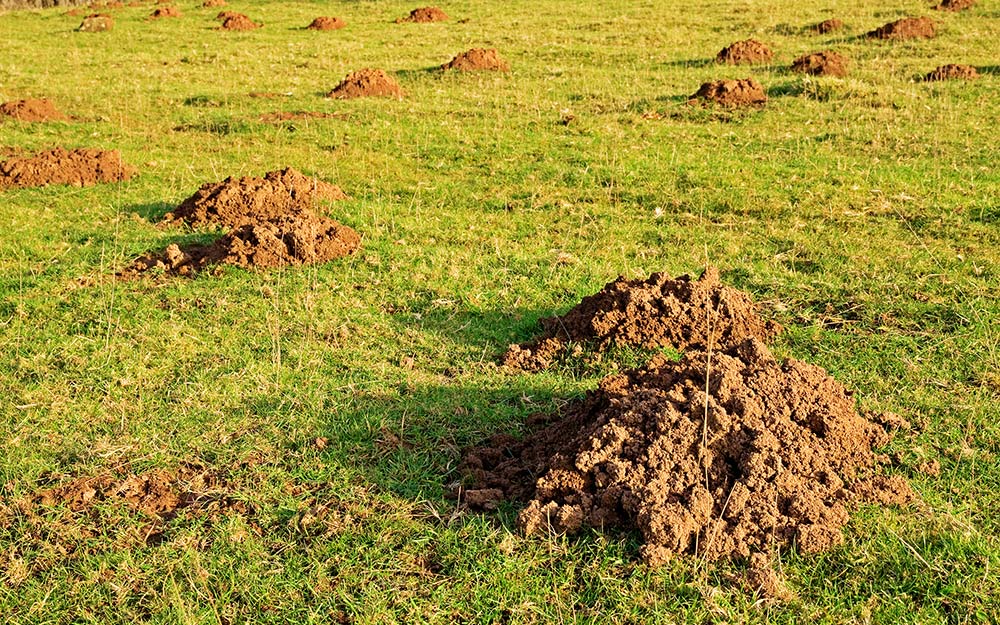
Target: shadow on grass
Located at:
point(152, 212)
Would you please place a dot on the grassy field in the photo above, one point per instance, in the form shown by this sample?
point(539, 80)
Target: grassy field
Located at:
point(333, 401)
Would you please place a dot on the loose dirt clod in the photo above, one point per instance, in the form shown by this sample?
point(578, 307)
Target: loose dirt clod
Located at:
point(953, 72)
point(235, 201)
point(367, 83)
point(477, 59)
point(96, 23)
point(954, 5)
point(721, 454)
point(81, 168)
point(826, 63)
point(741, 93)
point(906, 28)
point(326, 23)
point(762, 579)
point(424, 15)
point(168, 11)
point(31, 110)
point(238, 21)
point(213, 3)
point(748, 52)
point(652, 313)
point(828, 26)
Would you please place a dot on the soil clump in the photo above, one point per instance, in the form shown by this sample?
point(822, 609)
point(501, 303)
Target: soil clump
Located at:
point(825, 63)
point(740, 93)
point(906, 28)
point(747, 52)
point(80, 167)
point(953, 71)
point(238, 21)
point(478, 59)
point(653, 313)
point(208, 4)
point(96, 23)
point(32, 110)
point(720, 455)
point(954, 5)
point(326, 23)
point(168, 11)
point(828, 26)
point(367, 83)
point(424, 15)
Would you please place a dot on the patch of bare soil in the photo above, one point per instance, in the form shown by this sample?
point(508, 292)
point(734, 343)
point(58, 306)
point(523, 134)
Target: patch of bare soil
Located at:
point(96, 23)
point(238, 21)
point(477, 59)
point(367, 83)
point(747, 52)
point(424, 15)
point(828, 26)
point(826, 63)
point(287, 116)
point(741, 93)
point(32, 110)
point(953, 72)
point(653, 313)
point(80, 167)
point(327, 23)
point(722, 454)
point(208, 4)
point(954, 5)
point(906, 28)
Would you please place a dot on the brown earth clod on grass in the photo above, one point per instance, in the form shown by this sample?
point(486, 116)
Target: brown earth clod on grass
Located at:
point(32, 110)
point(96, 23)
point(208, 4)
point(740, 93)
point(721, 454)
point(828, 26)
point(653, 313)
point(326, 23)
point(238, 21)
point(367, 82)
point(167, 11)
point(424, 15)
point(953, 71)
point(80, 167)
point(825, 63)
point(747, 52)
point(477, 59)
point(906, 28)
point(954, 5)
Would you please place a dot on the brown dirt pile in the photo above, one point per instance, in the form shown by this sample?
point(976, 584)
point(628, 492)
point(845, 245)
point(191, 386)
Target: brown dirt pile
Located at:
point(169, 11)
point(81, 168)
point(327, 23)
point(954, 5)
point(762, 453)
point(826, 63)
point(424, 15)
point(653, 313)
point(235, 201)
point(906, 28)
point(741, 93)
point(367, 83)
point(31, 110)
point(96, 23)
point(747, 52)
point(828, 26)
point(208, 4)
point(238, 21)
point(477, 59)
point(953, 72)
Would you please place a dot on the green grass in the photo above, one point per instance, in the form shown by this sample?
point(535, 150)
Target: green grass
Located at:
point(863, 212)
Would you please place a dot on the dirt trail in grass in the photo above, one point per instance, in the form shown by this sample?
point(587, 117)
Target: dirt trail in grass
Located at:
point(80, 167)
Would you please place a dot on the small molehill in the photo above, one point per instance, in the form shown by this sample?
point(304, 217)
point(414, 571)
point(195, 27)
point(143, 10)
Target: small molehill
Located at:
point(168, 11)
point(235, 201)
point(238, 21)
point(828, 26)
point(954, 5)
point(826, 63)
point(80, 167)
point(96, 23)
point(367, 83)
point(747, 52)
point(720, 455)
point(741, 93)
point(424, 15)
point(326, 23)
point(653, 313)
point(906, 28)
point(208, 4)
point(953, 72)
point(32, 110)
point(477, 59)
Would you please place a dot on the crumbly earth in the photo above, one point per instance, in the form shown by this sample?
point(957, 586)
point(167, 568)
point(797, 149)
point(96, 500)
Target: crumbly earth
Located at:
point(167, 11)
point(828, 26)
point(825, 63)
point(741, 93)
point(656, 312)
point(96, 23)
point(235, 201)
point(477, 59)
point(906, 28)
point(238, 21)
point(746, 52)
point(367, 83)
point(32, 110)
point(722, 454)
point(425, 15)
point(326, 23)
point(213, 3)
point(954, 5)
point(953, 72)
point(80, 167)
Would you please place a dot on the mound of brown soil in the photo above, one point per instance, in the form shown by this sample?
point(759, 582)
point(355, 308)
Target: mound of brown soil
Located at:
point(826, 63)
point(906, 28)
point(213, 3)
point(746, 52)
point(954, 5)
point(367, 82)
point(286, 116)
point(96, 23)
point(656, 312)
point(327, 23)
point(424, 15)
point(41, 110)
point(828, 26)
point(81, 168)
point(477, 59)
point(235, 201)
point(225, 15)
point(745, 92)
point(238, 21)
point(169, 11)
point(719, 454)
point(953, 72)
